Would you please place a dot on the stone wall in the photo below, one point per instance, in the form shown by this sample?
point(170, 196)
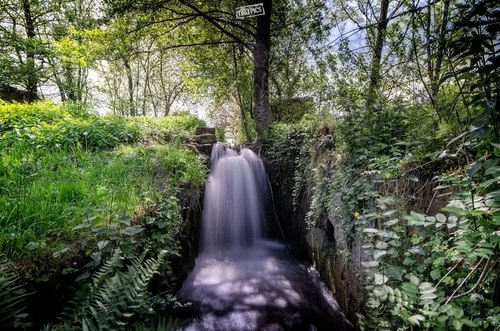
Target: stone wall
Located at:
point(325, 244)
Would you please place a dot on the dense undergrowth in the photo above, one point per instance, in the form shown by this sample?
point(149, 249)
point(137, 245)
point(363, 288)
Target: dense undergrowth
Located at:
point(423, 208)
point(92, 202)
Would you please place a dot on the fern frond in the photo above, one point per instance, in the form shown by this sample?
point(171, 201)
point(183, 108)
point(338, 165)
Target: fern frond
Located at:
point(12, 295)
point(162, 323)
point(114, 296)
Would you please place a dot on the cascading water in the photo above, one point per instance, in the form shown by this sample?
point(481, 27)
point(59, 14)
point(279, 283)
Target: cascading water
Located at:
point(233, 213)
point(242, 281)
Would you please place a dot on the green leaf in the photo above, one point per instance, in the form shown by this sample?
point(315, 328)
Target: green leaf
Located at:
point(492, 171)
point(377, 254)
point(440, 218)
point(428, 296)
point(456, 210)
point(468, 322)
point(31, 246)
point(380, 279)
point(409, 288)
point(457, 324)
point(474, 168)
point(485, 251)
point(456, 312)
point(435, 274)
point(132, 230)
point(418, 217)
point(416, 319)
point(426, 287)
point(417, 250)
point(161, 224)
point(379, 291)
point(102, 244)
point(396, 272)
point(381, 245)
point(81, 226)
point(370, 264)
point(391, 222)
point(413, 279)
point(126, 220)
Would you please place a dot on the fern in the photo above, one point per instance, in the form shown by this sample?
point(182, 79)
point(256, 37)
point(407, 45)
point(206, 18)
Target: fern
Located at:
point(12, 295)
point(162, 323)
point(113, 297)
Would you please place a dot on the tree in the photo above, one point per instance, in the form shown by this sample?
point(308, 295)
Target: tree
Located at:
point(430, 27)
point(380, 31)
point(21, 48)
point(220, 17)
point(37, 46)
point(476, 67)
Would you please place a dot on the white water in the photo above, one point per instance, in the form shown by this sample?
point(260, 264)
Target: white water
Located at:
point(233, 214)
point(242, 281)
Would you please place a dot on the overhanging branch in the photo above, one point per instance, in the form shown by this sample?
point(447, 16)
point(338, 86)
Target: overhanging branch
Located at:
point(215, 23)
point(206, 43)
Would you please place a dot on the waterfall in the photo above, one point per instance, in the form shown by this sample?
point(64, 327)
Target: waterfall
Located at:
point(236, 204)
point(241, 281)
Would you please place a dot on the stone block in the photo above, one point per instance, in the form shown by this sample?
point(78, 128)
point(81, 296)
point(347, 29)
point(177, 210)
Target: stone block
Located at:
point(207, 138)
point(200, 131)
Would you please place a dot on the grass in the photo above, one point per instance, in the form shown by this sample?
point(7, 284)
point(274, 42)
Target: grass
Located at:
point(61, 167)
point(43, 199)
point(77, 188)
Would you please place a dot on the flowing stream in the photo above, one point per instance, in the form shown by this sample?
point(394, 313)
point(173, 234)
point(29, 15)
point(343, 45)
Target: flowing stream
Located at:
point(241, 281)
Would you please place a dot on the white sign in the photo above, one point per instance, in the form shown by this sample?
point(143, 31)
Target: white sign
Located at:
point(250, 11)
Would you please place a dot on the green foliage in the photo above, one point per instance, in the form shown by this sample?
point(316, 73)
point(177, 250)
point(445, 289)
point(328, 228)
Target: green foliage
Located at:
point(162, 323)
point(437, 271)
point(46, 126)
point(292, 110)
point(166, 129)
point(57, 193)
point(81, 195)
point(431, 272)
point(47, 196)
point(220, 135)
point(287, 145)
point(12, 300)
point(117, 295)
point(477, 63)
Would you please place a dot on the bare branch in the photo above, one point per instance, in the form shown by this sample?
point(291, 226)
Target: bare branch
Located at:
point(206, 43)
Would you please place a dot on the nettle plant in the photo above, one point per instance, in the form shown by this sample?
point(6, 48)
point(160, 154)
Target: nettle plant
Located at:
point(437, 272)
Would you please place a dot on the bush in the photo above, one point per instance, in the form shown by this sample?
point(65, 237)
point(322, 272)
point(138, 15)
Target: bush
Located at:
point(46, 126)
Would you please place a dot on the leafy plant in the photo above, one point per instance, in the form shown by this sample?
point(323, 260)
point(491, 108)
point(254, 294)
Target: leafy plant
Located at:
point(12, 301)
point(44, 126)
point(437, 271)
point(288, 144)
point(114, 297)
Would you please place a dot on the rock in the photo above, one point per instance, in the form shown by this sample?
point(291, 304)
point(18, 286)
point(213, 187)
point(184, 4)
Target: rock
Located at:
point(205, 149)
point(200, 131)
point(206, 138)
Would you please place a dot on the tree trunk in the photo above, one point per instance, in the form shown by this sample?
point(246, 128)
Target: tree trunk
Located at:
point(130, 80)
point(244, 122)
point(377, 53)
point(261, 54)
point(439, 57)
point(32, 80)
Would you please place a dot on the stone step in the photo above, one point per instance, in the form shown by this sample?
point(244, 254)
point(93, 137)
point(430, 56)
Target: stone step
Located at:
point(206, 138)
point(203, 130)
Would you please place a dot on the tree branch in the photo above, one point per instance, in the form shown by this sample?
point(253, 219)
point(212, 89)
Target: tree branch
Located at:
point(215, 23)
point(206, 43)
